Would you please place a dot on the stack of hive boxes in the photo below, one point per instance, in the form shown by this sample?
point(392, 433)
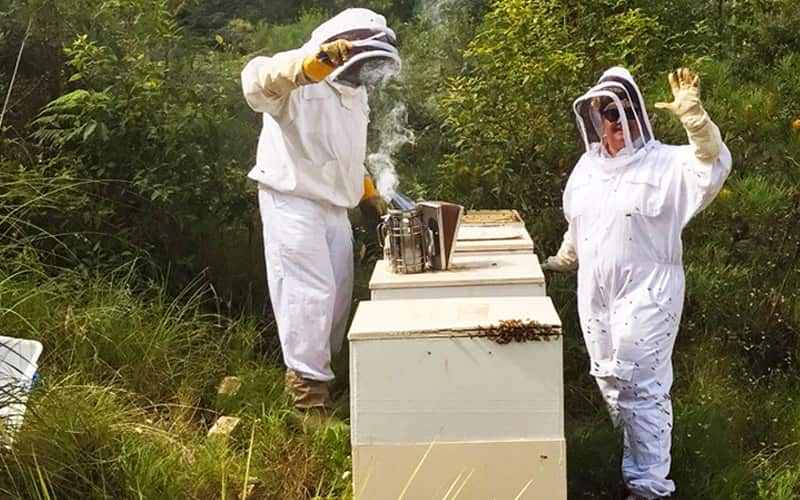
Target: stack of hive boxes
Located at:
point(439, 406)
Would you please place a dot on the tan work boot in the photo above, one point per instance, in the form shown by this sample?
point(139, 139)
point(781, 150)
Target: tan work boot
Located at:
point(314, 410)
point(306, 393)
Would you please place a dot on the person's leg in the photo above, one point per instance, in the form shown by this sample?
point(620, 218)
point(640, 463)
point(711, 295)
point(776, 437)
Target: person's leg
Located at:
point(593, 310)
point(340, 243)
point(644, 328)
point(647, 417)
point(302, 291)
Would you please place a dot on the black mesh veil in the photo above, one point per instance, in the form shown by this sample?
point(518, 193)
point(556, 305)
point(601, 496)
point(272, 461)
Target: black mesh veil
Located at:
point(615, 91)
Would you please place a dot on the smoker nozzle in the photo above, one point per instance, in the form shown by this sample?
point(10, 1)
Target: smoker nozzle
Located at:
point(401, 202)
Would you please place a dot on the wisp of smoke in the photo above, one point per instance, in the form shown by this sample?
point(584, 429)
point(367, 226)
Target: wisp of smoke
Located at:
point(436, 12)
point(392, 128)
point(393, 133)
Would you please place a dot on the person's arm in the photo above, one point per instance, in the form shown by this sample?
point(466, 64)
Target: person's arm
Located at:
point(268, 81)
point(702, 174)
point(372, 204)
point(703, 134)
point(566, 259)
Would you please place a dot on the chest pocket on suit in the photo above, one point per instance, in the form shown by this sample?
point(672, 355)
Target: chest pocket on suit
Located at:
point(639, 192)
point(358, 137)
point(335, 124)
point(586, 196)
point(316, 122)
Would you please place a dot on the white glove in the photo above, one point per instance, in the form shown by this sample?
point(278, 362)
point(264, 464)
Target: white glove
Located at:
point(702, 132)
point(565, 260)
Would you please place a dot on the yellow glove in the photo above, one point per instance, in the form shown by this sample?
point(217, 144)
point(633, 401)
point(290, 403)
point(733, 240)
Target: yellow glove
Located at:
point(702, 132)
point(372, 205)
point(330, 56)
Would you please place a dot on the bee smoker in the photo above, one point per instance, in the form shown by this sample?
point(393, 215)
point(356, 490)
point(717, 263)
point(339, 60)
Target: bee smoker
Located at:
point(406, 241)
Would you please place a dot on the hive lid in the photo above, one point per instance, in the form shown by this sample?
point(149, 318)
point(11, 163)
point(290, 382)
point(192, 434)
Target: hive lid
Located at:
point(479, 232)
point(491, 217)
point(451, 317)
point(493, 238)
point(465, 269)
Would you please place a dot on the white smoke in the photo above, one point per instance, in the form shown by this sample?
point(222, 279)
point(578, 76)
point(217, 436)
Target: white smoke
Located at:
point(392, 127)
point(438, 11)
point(393, 134)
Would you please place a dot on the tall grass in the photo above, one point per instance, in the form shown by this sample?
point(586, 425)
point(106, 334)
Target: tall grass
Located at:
point(129, 376)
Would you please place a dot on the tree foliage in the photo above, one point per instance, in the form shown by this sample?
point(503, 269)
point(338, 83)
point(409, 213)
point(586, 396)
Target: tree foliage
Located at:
point(508, 116)
point(508, 121)
point(126, 134)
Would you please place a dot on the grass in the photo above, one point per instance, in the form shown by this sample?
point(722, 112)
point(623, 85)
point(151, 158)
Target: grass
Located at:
point(734, 437)
point(129, 377)
point(128, 393)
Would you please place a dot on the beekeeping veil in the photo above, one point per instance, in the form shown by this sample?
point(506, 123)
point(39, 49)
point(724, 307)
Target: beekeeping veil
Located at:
point(615, 90)
point(374, 54)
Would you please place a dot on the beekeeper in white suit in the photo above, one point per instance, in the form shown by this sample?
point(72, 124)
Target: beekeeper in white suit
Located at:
point(626, 202)
point(310, 170)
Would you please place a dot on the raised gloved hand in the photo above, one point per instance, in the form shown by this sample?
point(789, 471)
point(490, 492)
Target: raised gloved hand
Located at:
point(372, 205)
point(685, 86)
point(702, 132)
point(330, 56)
point(566, 260)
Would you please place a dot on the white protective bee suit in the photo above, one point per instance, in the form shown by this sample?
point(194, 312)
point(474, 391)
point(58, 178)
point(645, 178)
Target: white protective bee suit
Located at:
point(625, 216)
point(310, 170)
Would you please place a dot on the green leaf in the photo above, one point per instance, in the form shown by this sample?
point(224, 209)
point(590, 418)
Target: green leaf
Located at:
point(88, 130)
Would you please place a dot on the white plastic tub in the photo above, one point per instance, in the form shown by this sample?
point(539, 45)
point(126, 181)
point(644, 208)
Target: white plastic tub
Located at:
point(18, 372)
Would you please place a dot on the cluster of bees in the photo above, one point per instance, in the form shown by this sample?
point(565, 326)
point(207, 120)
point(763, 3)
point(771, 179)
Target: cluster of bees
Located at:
point(519, 331)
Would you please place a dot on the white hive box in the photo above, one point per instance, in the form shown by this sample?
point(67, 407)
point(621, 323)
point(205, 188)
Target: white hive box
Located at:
point(493, 232)
point(420, 373)
point(469, 275)
point(525, 470)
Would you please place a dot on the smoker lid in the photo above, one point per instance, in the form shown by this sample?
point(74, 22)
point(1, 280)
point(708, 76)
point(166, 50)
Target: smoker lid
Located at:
point(451, 317)
point(465, 270)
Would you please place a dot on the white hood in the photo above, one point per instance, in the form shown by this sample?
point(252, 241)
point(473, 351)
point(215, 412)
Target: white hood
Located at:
point(348, 20)
point(380, 44)
point(617, 86)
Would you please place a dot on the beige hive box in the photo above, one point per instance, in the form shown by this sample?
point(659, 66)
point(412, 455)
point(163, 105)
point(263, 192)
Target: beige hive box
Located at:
point(429, 390)
point(470, 275)
point(493, 231)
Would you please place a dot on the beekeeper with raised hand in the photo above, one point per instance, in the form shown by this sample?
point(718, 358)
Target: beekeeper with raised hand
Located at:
point(626, 202)
point(310, 170)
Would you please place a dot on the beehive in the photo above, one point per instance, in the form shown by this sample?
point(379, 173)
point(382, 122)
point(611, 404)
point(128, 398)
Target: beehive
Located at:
point(470, 275)
point(493, 232)
point(426, 381)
